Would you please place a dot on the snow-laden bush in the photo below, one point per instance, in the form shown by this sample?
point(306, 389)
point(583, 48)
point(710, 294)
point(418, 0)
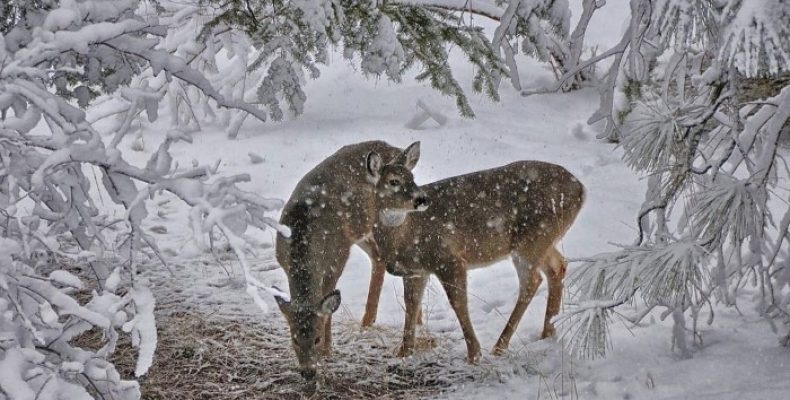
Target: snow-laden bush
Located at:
point(708, 228)
point(389, 37)
point(57, 56)
point(220, 54)
point(266, 49)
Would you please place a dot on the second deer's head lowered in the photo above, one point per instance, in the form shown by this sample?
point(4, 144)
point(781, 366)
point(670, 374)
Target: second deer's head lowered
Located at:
point(332, 208)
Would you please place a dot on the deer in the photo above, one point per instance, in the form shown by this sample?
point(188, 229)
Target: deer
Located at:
point(520, 210)
point(331, 209)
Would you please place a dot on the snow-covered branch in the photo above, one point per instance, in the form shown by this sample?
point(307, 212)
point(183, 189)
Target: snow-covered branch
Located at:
point(674, 100)
point(485, 8)
point(49, 150)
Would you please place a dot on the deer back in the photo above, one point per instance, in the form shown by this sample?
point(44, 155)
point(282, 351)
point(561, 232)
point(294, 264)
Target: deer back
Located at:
point(336, 195)
point(484, 216)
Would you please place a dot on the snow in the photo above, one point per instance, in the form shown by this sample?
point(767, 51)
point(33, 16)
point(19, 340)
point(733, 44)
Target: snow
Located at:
point(65, 278)
point(740, 357)
point(344, 108)
point(60, 18)
point(11, 365)
point(143, 328)
point(384, 53)
point(485, 7)
point(756, 38)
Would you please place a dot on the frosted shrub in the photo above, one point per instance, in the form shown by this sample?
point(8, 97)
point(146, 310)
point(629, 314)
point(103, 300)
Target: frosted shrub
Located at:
point(708, 229)
point(388, 38)
point(54, 57)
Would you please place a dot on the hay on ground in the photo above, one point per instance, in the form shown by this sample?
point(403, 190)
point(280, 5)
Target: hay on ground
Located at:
point(200, 357)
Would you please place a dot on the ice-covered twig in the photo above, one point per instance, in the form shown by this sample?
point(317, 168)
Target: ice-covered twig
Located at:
point(46, 169)
point(616, 50)
point(486, 8)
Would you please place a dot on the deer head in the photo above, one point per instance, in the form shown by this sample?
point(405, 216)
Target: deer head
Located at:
point(396, 193)
point(307, 328)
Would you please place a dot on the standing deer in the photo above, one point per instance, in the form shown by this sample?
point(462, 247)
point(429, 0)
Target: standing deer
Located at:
point(519, 210)
point(332, 208)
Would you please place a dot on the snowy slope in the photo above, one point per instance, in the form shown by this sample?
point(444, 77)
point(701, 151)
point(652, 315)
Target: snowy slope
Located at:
point(740, 357)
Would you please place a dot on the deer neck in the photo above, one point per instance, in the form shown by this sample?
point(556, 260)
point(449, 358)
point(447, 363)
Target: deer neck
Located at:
point(391, 227)
point(392, 218)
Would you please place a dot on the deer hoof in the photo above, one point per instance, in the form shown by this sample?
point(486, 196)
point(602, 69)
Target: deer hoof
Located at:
point(547, 332)
point(473, 355)
point(404, 351)
point(367, 322)
point(473, 359)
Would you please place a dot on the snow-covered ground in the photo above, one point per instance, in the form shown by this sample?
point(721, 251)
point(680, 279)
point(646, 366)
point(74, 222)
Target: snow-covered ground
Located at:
point(740, 357)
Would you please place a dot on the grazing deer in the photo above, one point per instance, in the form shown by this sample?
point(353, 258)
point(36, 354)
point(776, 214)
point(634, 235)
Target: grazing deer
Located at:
point(331, 209)
point(519, 210)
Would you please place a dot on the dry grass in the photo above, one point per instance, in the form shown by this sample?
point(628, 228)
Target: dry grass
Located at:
point(751, 89)
point(755, 89)
point(221, 357)
point(201, 357)
point(227, 357)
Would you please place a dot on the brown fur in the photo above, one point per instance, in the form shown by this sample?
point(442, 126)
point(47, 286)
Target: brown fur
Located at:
point(519, 210)
point(331, 209)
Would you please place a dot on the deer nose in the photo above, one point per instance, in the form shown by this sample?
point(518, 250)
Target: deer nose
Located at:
point(308, 373)
point(421, 202)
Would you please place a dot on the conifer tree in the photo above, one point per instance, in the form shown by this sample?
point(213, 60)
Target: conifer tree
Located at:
point(391, 36)
point(56, 57)
point(714, 223)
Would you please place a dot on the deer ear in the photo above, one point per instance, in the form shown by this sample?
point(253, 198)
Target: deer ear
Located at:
point(373, 164)
point(330, 303)
point(285, 305)
point(409, 157)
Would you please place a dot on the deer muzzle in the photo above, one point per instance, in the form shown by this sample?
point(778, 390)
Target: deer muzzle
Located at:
point(308, 372)
point(421, 202)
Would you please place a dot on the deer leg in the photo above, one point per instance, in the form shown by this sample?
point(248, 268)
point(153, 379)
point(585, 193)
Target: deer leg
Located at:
point(325, 348)
point(554, 267)
point(374, 293)
point(454, 282)
point(413, 288)
point(331, 277)
point(376, 282)
point(529, 281)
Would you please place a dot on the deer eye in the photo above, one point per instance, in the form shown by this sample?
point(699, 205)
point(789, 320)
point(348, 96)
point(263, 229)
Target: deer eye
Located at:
point(394, 182)
point(318, 339)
